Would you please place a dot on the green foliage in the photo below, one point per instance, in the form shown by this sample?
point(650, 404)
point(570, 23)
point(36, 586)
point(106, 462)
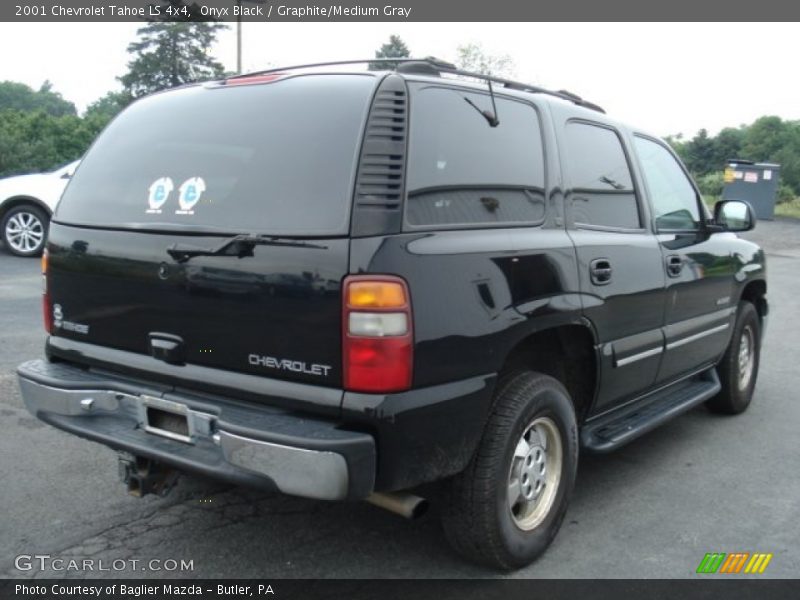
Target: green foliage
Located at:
point(678, 145)
point(711, 184)
point(18, 96)
point(34, 140)
point(171, 54)
point(107, 107)
point(768, 139)
point(101, 111)
point(394, 48)
point(790, 208)
point(472, 57)
point(727, 145)
point(37, 141)
point(700, 153)
point(785, 193)
point(39, 130)
point(764, 138)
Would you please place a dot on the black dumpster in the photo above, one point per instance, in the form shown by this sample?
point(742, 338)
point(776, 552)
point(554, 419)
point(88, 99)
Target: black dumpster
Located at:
point(756, 183)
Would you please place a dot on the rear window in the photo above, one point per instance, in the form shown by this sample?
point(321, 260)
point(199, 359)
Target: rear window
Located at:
point(277, 158)
point(461, 171)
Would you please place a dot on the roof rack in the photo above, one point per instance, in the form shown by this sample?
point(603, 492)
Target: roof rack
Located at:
point(432, 66)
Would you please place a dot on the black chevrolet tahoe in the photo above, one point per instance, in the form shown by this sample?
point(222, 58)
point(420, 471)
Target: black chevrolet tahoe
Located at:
point(342, 284)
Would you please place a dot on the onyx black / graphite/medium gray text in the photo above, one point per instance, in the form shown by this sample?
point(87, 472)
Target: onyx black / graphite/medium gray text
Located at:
point(339, 10)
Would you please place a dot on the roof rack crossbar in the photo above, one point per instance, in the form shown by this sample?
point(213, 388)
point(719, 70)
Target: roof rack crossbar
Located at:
point(443, 67)
point(331, 63)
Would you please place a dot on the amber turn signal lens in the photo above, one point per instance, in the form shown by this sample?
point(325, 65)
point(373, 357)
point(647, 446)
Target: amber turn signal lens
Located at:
point(376, 294)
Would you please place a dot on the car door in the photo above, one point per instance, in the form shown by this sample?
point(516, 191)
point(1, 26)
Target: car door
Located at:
point(698, 266)
point(620, 266)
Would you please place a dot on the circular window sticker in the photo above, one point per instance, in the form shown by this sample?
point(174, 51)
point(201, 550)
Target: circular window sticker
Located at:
point(190, 192)
point(158, 193)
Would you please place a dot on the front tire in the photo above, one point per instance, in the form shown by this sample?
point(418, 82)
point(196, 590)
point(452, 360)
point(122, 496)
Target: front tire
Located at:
point(24, 230)
point(507, 506)
point(738, 369)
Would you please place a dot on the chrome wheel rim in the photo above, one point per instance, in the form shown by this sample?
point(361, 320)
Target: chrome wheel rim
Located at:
point(535, 473)
point(746, 357)
point(24, 232)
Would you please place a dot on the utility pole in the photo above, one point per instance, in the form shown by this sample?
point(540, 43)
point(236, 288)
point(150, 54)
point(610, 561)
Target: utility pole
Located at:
point(239, 38)
point(239, 31)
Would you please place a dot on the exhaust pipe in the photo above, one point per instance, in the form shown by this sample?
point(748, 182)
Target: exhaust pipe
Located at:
point(401, 503)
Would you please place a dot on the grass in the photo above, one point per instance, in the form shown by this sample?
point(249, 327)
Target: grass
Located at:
point(782, 209)
point(788, 209)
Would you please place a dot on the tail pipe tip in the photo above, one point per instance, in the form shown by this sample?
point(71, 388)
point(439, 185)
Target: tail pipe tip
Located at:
point(401, 503)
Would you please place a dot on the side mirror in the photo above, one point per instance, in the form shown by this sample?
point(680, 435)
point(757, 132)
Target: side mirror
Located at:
point(734, 215)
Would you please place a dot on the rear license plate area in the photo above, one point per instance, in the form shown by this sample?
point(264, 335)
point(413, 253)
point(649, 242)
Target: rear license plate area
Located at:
point(166, 418)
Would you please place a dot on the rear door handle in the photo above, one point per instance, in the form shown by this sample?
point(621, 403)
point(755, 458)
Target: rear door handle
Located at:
point(674, 265)
point(600, 271)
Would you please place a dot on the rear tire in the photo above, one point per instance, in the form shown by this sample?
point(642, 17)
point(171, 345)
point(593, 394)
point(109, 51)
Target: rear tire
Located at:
point(738, 369)
point(507, 506)
point(24, 230)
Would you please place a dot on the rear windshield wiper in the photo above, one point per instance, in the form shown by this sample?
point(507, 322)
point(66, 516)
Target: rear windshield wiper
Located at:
point(239, 246)
point(486, 114)
point(491, 116)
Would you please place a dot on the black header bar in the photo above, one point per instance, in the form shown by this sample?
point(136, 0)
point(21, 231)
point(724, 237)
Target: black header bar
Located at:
point(399, 10)
point(408, 589)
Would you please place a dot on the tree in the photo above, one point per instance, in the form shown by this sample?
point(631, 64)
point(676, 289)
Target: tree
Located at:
point(472, 57)
point(678, 144)
point(788, 156)
point(700, 153)
point(765, 138)
point(394, 48)
point(768, 139)
point(171, 54)
point(727, 145)
point(108, 106)
point(18, 96)
point(39, 130)
point(100, 112)
point(37, 141)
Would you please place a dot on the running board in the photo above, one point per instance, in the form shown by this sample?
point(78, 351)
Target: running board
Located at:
point(615, 429)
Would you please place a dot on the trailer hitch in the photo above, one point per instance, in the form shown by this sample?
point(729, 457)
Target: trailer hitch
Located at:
point(145, 476)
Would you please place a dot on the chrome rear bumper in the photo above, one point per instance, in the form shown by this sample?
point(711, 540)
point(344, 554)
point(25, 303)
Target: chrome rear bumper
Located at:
point(220, 437)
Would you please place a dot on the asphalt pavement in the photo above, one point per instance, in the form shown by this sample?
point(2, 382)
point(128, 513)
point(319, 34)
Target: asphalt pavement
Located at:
point(702, 483)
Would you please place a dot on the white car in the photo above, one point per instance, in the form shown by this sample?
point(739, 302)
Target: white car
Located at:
point(26, 203)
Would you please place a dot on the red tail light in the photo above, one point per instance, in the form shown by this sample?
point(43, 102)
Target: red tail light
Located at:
point(377, 335)
point(47, 309)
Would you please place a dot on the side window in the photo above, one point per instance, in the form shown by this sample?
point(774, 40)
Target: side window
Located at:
point(671, 193)
point(602, 188)
point(462, 171)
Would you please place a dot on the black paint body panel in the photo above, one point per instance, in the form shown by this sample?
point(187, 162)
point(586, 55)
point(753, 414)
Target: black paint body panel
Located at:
point(477, 293)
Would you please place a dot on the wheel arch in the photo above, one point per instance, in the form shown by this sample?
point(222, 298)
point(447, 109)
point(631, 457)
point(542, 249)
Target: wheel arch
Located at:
point(567, 352)
point(15, 201)
point(755, 292)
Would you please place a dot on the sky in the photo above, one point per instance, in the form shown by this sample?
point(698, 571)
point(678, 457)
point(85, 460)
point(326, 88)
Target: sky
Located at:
point(667, 78)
